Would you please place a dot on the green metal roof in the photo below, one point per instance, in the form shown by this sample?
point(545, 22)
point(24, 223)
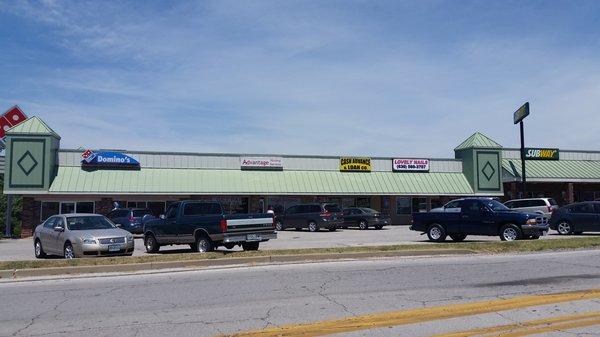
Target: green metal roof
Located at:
point(32, 126)
point(478, 140)
point(554, 170)
point(74, 180)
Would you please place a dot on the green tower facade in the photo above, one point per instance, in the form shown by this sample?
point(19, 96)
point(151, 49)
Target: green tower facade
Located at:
point(482, 163)
point(31, 157)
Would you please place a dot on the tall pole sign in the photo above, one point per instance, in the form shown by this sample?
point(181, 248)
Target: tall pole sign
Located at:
point(518, 117)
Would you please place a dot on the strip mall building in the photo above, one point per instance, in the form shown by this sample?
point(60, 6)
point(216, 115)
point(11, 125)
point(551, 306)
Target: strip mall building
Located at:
point(53, 180)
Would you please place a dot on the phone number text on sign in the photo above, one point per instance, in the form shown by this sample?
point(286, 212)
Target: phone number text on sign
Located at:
point(416, 165)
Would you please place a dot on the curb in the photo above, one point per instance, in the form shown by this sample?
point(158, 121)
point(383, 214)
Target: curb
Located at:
point(195, 264)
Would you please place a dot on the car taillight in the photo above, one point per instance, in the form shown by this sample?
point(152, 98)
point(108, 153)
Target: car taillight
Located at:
point(325, 214)
point(223, 225)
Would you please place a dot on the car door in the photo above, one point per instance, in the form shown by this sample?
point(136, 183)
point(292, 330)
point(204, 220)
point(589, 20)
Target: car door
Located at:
point(583, 217)
point(289, 217)
point(471, 218)
point(58, 237)
point(452, 216)
point(167, 230)
point(45, 235)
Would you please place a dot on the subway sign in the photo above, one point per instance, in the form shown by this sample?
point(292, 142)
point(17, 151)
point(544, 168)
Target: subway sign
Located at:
point(541, 154)
point(355, 164)
point(108, 159)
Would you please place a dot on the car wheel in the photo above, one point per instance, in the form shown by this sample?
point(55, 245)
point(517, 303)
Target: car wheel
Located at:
point(151, 244)
point(510, 233)
point(564, 228)
point(278, 226)
point(38, 250)
point(312, 226)
point(204, 244)
point(458, 237)
point(363, 225)
point(436, 233)
point(378, 227)
point(250, 245)
point(68, 252)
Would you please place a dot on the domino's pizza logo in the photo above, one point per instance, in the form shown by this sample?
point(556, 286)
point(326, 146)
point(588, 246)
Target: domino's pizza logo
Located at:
point(88, 156)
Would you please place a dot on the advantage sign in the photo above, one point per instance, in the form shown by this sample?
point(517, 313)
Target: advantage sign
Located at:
point(261, 163)
point(541, 154)
point(410, 165)
point(354, 164)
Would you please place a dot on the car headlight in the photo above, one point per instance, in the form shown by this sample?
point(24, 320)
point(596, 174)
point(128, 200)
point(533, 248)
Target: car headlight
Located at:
point(532, 222)
point(129, 238)
point(89, 241)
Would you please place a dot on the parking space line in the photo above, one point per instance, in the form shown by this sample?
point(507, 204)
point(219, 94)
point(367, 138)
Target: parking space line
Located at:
point(403, 317)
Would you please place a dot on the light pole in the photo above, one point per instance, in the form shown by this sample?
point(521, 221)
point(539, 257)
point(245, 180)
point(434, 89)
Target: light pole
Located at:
point(518, 117)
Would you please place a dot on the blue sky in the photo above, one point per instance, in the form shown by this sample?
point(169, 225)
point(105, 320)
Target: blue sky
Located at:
point(304, 77)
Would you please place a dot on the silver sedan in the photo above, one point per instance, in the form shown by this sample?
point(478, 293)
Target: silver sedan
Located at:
point(79, 235)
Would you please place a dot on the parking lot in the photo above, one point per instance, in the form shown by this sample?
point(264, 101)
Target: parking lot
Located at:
point(22, 249)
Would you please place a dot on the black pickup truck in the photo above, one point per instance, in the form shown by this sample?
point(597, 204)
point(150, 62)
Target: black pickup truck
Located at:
point(473, 216)
point(204, 227)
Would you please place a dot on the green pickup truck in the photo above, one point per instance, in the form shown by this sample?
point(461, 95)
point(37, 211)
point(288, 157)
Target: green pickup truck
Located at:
point(204, 226)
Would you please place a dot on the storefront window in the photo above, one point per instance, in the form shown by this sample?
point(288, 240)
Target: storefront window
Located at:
point(67, 207)
point(85, 207)
point(157, 207)
point(419, 205)
point(363, 202)
point(403, 205)
point(49, 209)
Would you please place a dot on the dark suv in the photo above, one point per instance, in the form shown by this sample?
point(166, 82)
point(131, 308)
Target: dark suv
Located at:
point(311, 216)
point(130, 219)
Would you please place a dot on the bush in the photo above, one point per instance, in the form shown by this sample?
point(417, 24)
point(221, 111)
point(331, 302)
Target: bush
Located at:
point(16, 211)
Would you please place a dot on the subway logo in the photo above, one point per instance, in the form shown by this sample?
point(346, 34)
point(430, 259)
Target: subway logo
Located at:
point(541, 154)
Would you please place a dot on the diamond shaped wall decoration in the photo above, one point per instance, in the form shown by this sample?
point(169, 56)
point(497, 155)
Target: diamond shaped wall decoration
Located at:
point(488, 171)
point(27, 163)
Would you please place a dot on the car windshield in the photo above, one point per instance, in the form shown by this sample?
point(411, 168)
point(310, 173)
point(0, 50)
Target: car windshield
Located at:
point(138, 213)
point(332, 208)
point(82, 223)
point(369, 210)
point(496, 206)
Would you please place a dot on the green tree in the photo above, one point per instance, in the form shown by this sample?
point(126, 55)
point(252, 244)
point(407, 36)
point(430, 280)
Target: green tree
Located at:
point(16, 211)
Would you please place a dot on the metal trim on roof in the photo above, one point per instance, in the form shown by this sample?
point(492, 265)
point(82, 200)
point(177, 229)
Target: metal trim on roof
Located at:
point(554, 171)
point(478, 141)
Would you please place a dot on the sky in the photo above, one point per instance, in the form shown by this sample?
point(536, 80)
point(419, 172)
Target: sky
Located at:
point(373, 78)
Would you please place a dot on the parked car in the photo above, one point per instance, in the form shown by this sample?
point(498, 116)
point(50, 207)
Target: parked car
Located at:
point(577, 218)
point(204, 226)
point(311, 216)
point(363, 218)
point(544, 206)
point(476, 216)
point(130, 219)
point(79, 235)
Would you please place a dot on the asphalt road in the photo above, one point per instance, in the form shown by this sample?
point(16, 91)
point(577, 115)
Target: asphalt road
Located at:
point(226, 301)
point(22, 249)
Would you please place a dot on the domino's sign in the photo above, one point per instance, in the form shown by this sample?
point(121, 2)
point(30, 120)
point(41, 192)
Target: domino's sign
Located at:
point(108, 159)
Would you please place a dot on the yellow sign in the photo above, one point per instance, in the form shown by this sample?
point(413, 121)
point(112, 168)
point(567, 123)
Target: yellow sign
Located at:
point(354, 164)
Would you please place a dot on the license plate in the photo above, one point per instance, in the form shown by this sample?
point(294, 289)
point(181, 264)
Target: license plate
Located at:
point(252, 237)
point(114, 248)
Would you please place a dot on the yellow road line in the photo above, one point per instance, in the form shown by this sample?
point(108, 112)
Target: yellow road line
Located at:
point(402, 317)
point(531, 327)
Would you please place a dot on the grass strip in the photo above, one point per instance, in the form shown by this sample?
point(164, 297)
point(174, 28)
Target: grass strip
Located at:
point(491, 247)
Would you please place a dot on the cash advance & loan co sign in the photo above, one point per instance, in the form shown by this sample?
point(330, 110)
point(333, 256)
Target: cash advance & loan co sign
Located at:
point(355, 164)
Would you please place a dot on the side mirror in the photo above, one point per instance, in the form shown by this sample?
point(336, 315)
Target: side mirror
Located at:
point(162, 216)
point(118, 225)
point(59, 229)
